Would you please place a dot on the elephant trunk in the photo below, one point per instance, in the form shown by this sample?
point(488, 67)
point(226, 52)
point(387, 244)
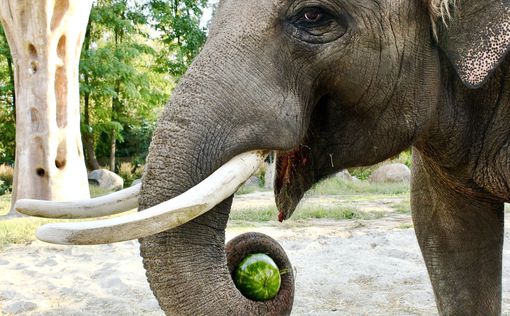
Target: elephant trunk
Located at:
point(187, 271)
point(187, 266)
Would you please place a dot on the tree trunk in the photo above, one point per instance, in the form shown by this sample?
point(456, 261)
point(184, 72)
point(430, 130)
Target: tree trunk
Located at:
point(113, 141)
point(90, 155)
point(88, 136)
point(12, 82)
point(45, 39)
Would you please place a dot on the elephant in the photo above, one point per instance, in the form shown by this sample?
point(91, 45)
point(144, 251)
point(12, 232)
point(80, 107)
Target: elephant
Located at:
point(329, 85)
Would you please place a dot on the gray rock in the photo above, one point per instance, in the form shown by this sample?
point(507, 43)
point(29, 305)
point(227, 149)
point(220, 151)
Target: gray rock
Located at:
point(106, 179)
point(396, 172)
point(19, 308)
point(137, 181)
point(344, 175)
point(253, 182)
point(269, 176)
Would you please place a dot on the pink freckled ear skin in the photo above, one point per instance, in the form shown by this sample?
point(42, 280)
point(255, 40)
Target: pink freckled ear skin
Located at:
point(477, 43)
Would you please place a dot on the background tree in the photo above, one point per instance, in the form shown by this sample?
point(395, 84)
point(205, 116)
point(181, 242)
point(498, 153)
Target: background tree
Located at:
point(7, 103)
point(178, 26)
point(116, 81)
point(45, 57)
point(133, 54)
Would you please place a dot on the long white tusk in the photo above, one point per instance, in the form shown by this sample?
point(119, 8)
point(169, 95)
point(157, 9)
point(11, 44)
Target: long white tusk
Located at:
point(110, 204)
point(170, 214)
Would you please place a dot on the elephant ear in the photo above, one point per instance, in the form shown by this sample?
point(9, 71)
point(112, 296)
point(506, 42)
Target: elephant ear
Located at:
point(477, 38)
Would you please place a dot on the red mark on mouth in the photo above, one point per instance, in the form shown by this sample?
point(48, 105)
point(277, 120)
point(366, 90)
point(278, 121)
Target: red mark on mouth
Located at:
point(304, 161)
point(280, 217)
point(299, 157)
point(284, 170)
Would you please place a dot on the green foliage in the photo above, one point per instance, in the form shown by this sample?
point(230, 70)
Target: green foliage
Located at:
point(7, 103)
point(133, 54)
point(178, 26)
point(117, 84)
point(406, 157)
point(3, 188)
point(136, 143)
point(362, 173)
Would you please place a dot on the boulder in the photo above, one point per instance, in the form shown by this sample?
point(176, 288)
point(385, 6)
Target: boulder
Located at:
point(137, 181)
point(344, 175)
point(355, 180)
point(105, 179)
point(396, 172)
point(253, 182)
point(269, 176)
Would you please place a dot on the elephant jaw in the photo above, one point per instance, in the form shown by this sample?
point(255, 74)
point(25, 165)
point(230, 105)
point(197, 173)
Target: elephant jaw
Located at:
point(223, 183)
point(294, 176)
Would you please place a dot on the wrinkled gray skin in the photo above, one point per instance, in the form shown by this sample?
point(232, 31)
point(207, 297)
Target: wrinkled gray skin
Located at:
point(358, 85)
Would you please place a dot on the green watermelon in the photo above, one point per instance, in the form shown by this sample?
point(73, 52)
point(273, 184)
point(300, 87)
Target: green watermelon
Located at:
point(258, 277)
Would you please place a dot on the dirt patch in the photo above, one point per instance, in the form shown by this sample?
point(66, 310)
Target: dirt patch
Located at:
point(363, 267)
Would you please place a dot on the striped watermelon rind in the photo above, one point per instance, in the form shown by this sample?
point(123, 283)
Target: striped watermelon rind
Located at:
point(258, 277)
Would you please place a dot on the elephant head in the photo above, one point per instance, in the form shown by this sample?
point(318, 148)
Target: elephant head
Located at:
point(327, 84)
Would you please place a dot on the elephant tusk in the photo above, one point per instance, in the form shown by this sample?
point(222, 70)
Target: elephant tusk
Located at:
point(170, 214)
point(110, 204)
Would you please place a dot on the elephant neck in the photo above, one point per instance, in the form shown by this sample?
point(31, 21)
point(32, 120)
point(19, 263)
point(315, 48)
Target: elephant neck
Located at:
point(468, 136)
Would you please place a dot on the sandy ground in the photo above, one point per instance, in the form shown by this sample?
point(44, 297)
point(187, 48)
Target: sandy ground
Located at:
point(369, 267)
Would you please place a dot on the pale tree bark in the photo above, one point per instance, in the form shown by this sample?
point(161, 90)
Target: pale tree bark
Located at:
point(45, 37)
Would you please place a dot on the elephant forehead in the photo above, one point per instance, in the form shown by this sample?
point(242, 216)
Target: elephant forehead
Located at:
point(260, 10)
point(246, 19)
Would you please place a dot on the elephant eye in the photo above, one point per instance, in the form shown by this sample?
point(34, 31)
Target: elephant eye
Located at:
point(316, 25)
point(312, 17)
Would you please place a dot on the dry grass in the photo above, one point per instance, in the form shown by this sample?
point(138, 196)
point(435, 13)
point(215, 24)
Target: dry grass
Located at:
point(5, 204)
point(19, 231)
point(130, 173)
point(6, 173)
point(336, 186)
point(303, 214)
point(16, 230)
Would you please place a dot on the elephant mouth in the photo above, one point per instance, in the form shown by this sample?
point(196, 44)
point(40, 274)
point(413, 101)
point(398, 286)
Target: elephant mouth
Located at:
point(293, 176)
point(175, 212)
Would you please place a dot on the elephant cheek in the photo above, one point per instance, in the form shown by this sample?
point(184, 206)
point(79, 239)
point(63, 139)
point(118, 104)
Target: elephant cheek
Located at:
point(294, 176)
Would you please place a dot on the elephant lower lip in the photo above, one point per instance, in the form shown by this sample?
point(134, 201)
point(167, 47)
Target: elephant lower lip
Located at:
point(287, 166)
point(288, 163)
